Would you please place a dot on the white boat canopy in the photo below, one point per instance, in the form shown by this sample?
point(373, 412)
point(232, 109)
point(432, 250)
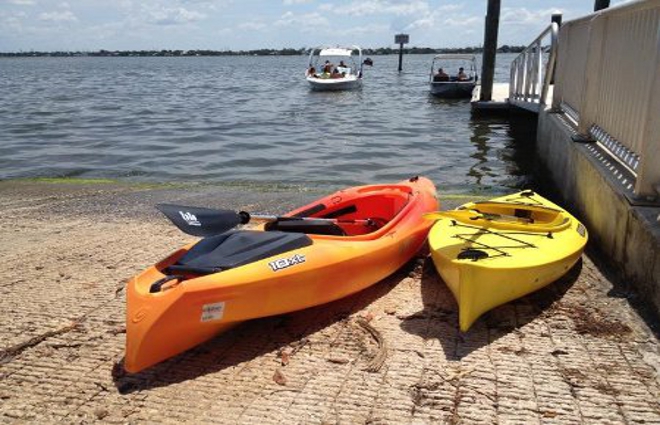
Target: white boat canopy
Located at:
point(336, 51)
point(466, 56)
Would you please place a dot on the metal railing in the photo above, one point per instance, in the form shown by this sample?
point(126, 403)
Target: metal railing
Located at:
point(608, 77)
point(530, 79)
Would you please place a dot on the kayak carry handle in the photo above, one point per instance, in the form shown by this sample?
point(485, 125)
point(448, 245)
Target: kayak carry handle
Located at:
point(158, 285)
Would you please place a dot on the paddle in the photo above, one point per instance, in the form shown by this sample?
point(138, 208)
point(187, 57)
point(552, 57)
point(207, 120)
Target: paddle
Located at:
point(199, 221)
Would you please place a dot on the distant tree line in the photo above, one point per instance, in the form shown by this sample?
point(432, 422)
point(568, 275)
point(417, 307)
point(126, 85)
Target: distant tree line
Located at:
point(257, 52)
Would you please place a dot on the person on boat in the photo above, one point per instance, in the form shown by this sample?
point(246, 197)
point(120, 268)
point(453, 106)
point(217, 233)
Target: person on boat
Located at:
point(441, 75)
point(462, 76)
point(327, 68)
point(311, 72)
point(337, 74)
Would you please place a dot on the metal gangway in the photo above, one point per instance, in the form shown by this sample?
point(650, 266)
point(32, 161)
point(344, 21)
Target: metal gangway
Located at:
point(530, 80)
point(532, 72)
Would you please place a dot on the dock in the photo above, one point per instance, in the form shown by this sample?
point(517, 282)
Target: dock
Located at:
point(499, 101)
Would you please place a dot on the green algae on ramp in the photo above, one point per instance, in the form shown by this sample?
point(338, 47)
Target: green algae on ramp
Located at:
point(69, 180)
point(102, 181)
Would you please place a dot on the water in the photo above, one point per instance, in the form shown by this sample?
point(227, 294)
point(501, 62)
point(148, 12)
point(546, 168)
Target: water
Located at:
point(248, 121)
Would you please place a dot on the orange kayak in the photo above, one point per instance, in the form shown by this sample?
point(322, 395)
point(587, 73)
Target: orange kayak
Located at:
point(286, 265)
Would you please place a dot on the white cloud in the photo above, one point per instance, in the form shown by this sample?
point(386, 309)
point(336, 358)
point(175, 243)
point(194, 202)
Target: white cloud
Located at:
point(463, 21)
point(23, 2)
point(291, 2)
point(252, 26)
point(441, 17)
point(304, 21)
point(523, 16)
point(13, 22)
point(210, 5)
point(422, 23)
point(367, 29)
point(63, 16)
point(173, 16)
point(449, 7)
point(378, 7)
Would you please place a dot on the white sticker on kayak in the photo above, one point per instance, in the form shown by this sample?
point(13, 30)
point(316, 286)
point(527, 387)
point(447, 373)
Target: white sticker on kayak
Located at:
point(213, 311)
point(284, 263)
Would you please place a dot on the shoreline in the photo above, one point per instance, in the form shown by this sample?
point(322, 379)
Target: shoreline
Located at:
point(239, 187)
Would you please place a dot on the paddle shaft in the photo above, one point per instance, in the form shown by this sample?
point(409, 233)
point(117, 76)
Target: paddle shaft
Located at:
point(366, 222)
point(199, 221)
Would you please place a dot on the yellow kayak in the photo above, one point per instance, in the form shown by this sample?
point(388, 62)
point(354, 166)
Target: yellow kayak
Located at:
point(492, 252)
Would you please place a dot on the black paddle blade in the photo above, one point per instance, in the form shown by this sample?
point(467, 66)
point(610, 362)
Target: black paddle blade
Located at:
point(198, 221)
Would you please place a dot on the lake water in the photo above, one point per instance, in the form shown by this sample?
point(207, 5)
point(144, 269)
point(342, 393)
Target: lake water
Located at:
point(248, 121)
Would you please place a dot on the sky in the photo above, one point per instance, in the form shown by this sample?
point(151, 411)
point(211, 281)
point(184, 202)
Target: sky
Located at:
point(89, 25)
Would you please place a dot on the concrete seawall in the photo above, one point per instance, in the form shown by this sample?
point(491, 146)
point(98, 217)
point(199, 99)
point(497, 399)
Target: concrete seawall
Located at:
point(593, 187)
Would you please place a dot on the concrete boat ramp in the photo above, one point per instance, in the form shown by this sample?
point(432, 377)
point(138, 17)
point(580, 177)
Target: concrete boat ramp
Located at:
point(579, 351)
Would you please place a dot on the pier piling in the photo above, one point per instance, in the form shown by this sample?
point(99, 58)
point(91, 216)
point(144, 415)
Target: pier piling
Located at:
point(601, 4)
point(490, 48)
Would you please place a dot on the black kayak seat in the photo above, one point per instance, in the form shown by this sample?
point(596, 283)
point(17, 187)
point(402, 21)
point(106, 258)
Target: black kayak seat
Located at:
point(316, 227)
point(236, 248)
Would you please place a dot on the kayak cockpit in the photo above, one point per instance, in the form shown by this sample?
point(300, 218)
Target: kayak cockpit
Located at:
point(309, 226)
point(374, 209)
point(507, 215)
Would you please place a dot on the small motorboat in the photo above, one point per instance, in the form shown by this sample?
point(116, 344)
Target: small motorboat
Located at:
point(329, 249)
point(335, 68)
point(492, 252)
point(453, 76)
